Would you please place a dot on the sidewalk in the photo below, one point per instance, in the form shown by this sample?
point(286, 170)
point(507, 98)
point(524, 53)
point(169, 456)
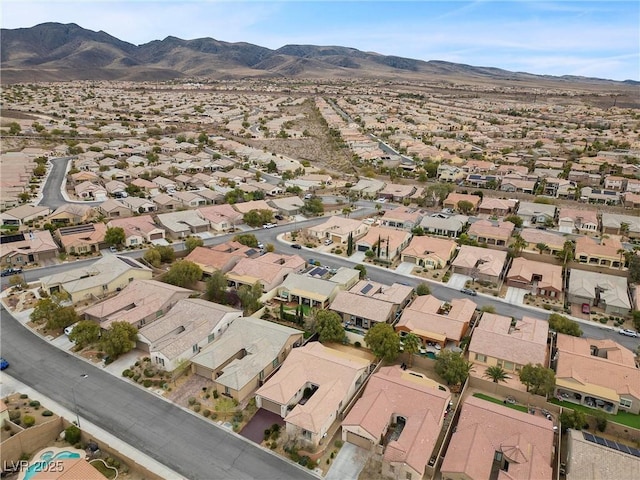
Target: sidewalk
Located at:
point(9, 385)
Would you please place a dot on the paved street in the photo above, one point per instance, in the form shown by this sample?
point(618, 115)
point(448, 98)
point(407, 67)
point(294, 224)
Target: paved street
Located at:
point(180, 440)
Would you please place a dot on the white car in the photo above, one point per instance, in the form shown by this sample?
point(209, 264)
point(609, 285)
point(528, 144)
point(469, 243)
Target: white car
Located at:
point(69, 329)
point(328, 241)
point(628, 333)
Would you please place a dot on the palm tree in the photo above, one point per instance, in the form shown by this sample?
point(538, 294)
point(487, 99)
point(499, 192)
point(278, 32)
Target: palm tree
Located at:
point(518, 244)
point(542, 247)
point(496, 373)
point(621, 252)
point(566, 254)
point(346, 211)
point(624, 229)
point(412, 345)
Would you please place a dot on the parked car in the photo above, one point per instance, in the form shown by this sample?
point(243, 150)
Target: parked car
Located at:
point(279, 217)
point(260, 245)
point(113, 249)
point(3, 363)
point(11, 271)
point(328, 241)
point(308, 196)
point(628, 333)
point(69, 329)
point(296, 246)
point(469, 291)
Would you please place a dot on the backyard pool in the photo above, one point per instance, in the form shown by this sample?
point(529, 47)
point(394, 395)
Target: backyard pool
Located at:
point(47, 458)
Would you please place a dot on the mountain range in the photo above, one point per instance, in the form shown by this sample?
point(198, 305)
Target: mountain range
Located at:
point(55, 51)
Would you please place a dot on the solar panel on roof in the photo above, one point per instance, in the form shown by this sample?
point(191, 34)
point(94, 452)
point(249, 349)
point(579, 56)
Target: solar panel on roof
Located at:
point(623, 448)
point(129, 262)
point(634, 451)
point(611, 444)
point(366, 289)
point(600, 441)
point(588, 437)
point(318, 272)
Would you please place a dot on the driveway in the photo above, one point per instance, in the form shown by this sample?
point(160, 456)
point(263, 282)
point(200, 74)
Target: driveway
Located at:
point(405, 268)
point(348, 463)
point(458, 281)
point(357, 257)
point(515, 296)
point(263, 419)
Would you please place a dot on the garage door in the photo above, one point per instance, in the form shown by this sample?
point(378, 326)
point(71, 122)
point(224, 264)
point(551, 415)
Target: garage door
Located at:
point(362, 248)
point(156, 236)
point(203, 371)
point(358, 440)
point(271, 406)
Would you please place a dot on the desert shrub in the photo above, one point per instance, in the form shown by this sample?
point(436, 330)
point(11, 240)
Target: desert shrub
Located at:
point(147, 383)
point(28, 421)
point(338, 443)
point(237, 417)
point(34, 403)
point(311, 464)
point(47, 413)
point(126, 372)
point(196, 407)
point(72, 434)
point(304, 460)
point(14, 414)
point(215, 394)
point(192, 400)
point(136, 377)
point(148, 372)
point(273, 445)
point(214, 416)
point(24, 395)
point(206, 412)
point(603, 320)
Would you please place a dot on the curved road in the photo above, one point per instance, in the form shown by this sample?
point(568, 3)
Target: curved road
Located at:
point(52, 190)
point(180, 440)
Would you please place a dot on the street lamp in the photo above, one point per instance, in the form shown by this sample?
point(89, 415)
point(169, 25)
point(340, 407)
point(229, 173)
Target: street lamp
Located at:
point(75, 403)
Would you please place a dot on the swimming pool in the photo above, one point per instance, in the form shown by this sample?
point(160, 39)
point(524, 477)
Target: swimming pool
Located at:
point(46, 459)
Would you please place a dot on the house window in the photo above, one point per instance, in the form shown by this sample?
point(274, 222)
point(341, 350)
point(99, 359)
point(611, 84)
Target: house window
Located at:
point(261, 375)
point(275, 362)
point(195, 348)
point(160, 361)
point(408, 476)
point(508, 366)
point(211, 337)
point(306, 434)
point(227, 391)
point(481, 358)
point(158, 313)
point(105, 288)
point(626, 403)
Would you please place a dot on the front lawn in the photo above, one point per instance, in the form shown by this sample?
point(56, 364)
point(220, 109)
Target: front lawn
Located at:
point(520, 408)
point(623, 418)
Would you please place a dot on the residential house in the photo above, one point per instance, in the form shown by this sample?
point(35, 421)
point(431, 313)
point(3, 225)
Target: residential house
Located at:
point(210, 196)
point(491, 232)
point(534, 237)
point(72, 214)
point(617, 224)
point(387, 243)
point(614, 182)
point(429, 252)
point(84, 176)
point(436, 321)
point(310, 390)
point(572, 220)
point(81, 239)
point(103, 277)
point(138, 230)
point(405, 218)
point(480, 263)
point(21, 249)
point(338, 229)
point(116, 188)
point(222, 218)
point(539, 278)
point(166, 202)
point(24, 214)
point(491, 440)
point(165, 184)
point(114, 209)
point(189, 199)
point(245, 207)
point(633, 185)
point(479, 180)
point(497, 206)
point(560, 188)
point(345, 277)
point(139, 303)
point(607, 252)
point(139, 205)
point(369, 302)
point(478, 166)
point(600, 374)
point(269, 270)
point(307, 290)
point(536, 213)
point(453, 199)
point(606, 292)
point(450, 173)
point(367, 187)
point(221, 257)
point(248, 353)
point(149, 188)
point(90, 191)
point(510, 184)
point(181, 333)
point(181, 224)
point(600, 196)
point(396, 192)
point(288, 206)
point(502, 341)
point(405, 412)
point(444, 225)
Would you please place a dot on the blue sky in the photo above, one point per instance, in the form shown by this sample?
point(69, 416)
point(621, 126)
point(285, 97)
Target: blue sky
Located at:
point(561, 37)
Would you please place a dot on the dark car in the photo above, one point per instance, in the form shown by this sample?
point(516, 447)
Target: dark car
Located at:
point(11, 271)
point(279, 217)
point(3, 363)
point(469, 291)
point(296, 245)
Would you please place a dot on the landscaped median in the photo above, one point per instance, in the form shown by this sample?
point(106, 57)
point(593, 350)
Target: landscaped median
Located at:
point(623, 418)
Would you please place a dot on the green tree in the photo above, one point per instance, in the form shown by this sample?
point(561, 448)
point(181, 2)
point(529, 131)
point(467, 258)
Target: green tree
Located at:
point(452, 367)
point(119, 339)
point(272, 167)
point(247, 239)
point(152, 257)
point(62, 317)
point(465, 207)
point(17, 281)
point(329, 326)
point(216, 290)
point(572, 419)
point(257, 217)
point(270, 247)
point(423, 289)
point(542, 247)
point(636, 320)
point(496, 373)
point(538, 379)
point(72, 434)
point(383, 341)
point(44, 309)
point(115, 236)
point(14, 128)
point(313, 206)
point(412, 344)
point(167, 255)
point(350, 244)
point(564, 325)
point(183, 273)
point(634, 268)
point(515, 219)
point(518, 245)
point(362, 269)
point(250, 297)
point(85, 333)
point(488, 309)
point(192, 242)
point(566, 254)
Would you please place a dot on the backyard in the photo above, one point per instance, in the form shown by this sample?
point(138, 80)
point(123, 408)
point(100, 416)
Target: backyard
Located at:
point(521, 408)
point(623, 418)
